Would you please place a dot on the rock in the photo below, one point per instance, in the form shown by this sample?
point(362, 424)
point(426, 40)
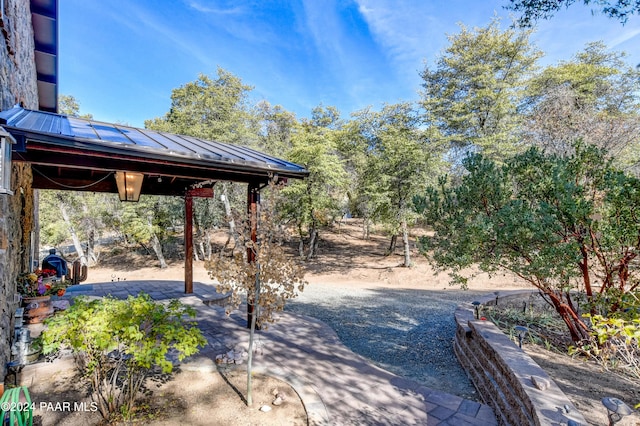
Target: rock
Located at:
point(282, 396)
point(265, 408)
point(277, 401)
point(539, 382)
point(274, 391)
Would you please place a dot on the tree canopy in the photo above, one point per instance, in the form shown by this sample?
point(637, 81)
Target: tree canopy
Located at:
point(534, 10)
point(593, 97)
point(473, 94)
point(561, 223)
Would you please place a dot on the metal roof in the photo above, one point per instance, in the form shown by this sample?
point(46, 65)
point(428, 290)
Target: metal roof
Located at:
point(62, 142)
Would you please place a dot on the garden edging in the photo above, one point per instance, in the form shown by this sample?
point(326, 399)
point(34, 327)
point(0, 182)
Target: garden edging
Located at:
point(504, 374)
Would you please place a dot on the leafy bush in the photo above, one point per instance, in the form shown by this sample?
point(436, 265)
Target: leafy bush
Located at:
point(615, 344)
point(118, 343)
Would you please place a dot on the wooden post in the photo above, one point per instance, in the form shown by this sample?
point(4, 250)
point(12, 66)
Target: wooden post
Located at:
point(188, 243)
point(253, 200)
point(188, 233)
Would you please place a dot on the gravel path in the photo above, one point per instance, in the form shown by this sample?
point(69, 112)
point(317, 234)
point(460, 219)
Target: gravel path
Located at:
point(408, 332)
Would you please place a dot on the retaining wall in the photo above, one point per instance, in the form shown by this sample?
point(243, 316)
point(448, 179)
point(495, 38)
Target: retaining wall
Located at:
point(518, 390)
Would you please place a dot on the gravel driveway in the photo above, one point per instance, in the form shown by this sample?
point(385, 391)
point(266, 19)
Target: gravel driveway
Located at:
point(408, 332)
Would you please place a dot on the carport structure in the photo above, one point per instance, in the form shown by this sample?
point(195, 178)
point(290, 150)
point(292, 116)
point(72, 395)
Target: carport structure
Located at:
point(70, 153)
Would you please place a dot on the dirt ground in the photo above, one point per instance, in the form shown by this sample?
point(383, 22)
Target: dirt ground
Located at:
point(194, 398)
point(345, 259)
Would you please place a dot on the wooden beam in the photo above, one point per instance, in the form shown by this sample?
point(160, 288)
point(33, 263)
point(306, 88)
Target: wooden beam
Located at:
point(201, 192)
point(188, 244)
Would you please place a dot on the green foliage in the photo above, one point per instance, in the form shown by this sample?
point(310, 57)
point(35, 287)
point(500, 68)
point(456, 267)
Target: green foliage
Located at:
point(559, 223)
point(473, 95)
point(213, 109)
point(597, 76)
point(593, 97)
point(277, 126)
point(69, 105)
point(533, 10)
point(615, 344)
point(118, 343)
point(392, 158)
point(317, 200)
point(152, 215)
point(218, 109)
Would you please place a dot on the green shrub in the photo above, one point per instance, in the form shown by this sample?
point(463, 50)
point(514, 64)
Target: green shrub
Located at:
point(118, 343)
point(615, 344)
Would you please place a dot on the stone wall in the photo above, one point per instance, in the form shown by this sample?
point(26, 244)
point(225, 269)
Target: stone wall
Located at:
point(18, 85)
point(506, 377)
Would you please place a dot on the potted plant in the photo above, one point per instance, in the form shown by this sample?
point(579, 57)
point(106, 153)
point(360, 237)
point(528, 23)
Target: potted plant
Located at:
point(36, 289)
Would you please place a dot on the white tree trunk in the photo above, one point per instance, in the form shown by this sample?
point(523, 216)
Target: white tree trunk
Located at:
point(157, 247)
point(405, 242)
point(207, 244)
point(227, 209)
point(313, 242)
point(72, 231)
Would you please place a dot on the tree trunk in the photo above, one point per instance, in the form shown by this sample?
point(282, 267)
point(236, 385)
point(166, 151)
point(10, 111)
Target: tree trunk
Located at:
point(577, 328)
point(199, 249)
point(156, 246)
point(72, 230)
point(313, 242)
point(366, 229)
point(207, 244)
point(224, 197)
point(405, 243)
point(92, 258)
point(301, 243)
point(392, 244)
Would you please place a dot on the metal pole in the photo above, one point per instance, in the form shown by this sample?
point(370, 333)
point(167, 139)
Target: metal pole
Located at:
point(253, 200)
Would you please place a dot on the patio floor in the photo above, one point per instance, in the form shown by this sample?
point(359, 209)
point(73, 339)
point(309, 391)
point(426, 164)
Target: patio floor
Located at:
point(337, 386)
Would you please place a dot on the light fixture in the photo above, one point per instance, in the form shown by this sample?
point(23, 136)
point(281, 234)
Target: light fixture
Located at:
point(616, 409)
point(476, 306)
point(6, 140)
point(522, 332)
point(129, 185)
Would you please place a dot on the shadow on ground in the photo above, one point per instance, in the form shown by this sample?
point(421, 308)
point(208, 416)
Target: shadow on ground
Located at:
point(408, 332)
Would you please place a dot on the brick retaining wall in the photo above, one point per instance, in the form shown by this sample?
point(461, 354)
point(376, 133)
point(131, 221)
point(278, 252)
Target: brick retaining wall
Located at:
point(503, 373)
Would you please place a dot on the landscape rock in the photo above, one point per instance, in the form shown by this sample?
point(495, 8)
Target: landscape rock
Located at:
point(539, 382)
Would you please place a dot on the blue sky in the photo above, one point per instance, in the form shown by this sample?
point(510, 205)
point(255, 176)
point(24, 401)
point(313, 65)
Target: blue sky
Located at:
point(121, 59)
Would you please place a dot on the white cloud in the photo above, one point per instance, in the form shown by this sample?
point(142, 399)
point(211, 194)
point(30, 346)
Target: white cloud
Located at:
point(401, 28)
point(626, 35)
point(216, 11)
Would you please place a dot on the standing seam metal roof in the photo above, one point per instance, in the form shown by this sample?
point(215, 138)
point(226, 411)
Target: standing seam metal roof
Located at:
point(59, 129)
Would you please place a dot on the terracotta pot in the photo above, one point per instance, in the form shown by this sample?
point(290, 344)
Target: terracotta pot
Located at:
point(37, 309)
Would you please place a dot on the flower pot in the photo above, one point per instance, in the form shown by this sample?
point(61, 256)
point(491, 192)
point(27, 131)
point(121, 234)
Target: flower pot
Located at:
point(37, 309)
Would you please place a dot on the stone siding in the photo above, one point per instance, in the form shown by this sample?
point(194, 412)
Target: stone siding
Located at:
point(504, 374)
point(18, 85)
